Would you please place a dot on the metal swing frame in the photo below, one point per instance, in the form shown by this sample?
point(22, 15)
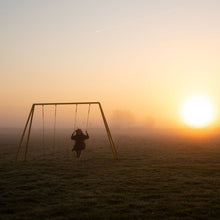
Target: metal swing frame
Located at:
point(30, 120)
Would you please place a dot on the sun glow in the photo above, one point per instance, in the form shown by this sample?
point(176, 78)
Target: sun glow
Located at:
point(198, 111)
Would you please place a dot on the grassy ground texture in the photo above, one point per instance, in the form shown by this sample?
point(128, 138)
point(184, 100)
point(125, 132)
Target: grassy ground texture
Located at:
point(155, 178)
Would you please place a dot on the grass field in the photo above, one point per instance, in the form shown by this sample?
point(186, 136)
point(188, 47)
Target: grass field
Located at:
point(156, 177)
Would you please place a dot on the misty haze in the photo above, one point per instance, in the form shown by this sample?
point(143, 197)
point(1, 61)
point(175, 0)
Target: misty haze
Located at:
point(110, 109)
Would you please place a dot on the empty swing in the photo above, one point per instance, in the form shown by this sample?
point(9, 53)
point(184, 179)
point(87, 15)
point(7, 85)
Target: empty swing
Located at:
point(54, 126)
point(78, 136)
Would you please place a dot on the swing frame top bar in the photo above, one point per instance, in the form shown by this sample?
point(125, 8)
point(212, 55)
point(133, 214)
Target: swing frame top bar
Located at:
point(30, 119)
point(67, 103)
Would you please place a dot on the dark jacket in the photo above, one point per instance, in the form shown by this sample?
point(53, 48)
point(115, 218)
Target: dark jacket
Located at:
point(79, 141)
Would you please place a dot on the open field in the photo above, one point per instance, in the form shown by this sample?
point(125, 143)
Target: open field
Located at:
point(156, 177)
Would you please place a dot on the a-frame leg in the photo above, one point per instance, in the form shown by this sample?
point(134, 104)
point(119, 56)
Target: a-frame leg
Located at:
point(114, 151)
point(29, 131)
point(23, 134)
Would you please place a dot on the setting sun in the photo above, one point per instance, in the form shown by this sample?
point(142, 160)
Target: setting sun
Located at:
point(198, 111)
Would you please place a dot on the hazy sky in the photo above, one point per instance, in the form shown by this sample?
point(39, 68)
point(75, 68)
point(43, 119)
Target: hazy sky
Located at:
point(142, 57)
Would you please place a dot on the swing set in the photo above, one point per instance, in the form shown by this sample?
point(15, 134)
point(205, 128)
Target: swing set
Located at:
point(30, 120)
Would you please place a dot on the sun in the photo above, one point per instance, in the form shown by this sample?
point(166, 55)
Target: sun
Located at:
point(198, 111)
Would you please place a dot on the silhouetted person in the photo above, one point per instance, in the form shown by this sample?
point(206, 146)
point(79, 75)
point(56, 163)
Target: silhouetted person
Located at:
point(79, 139)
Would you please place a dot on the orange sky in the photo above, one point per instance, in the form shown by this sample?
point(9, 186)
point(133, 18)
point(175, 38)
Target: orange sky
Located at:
point(138, 56)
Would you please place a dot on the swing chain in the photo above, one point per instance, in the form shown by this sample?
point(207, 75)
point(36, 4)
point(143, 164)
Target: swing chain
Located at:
point(87, 122)
point(55, 119)
point(74, 126)
point(43, 124)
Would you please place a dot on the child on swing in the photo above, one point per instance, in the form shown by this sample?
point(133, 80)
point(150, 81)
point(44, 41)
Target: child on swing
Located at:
point(79, 139)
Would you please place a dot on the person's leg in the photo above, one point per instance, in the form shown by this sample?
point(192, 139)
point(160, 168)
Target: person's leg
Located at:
point(78, 152)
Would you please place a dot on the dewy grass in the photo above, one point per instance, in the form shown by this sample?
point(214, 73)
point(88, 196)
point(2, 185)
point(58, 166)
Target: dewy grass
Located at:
point(158, 179)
